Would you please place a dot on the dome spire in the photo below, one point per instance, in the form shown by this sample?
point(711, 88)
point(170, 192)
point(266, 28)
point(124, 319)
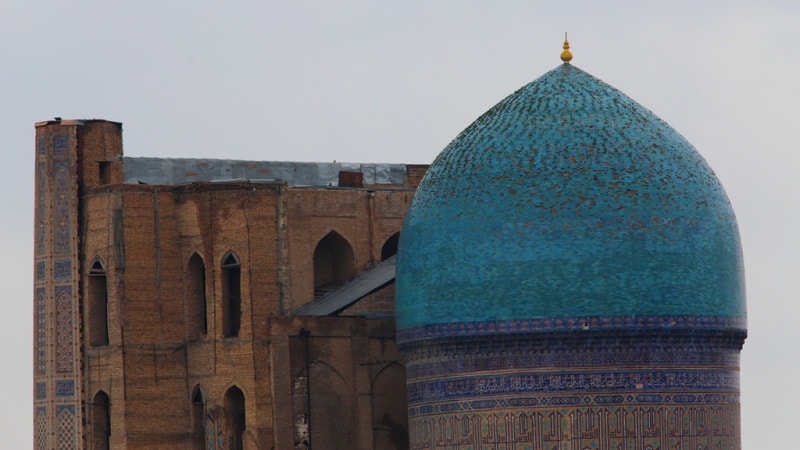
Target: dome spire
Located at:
point(566, 55)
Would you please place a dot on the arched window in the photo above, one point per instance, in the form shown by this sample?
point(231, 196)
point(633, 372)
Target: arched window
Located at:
point(97, 293)
point(234, 418)
point(197, 324)
point(231, 295)
point(198, 418)
point(101, 422)
point(333, 263)
point(389, 248)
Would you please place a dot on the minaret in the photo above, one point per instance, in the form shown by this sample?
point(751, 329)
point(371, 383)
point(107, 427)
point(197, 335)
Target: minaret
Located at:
point(70, 154)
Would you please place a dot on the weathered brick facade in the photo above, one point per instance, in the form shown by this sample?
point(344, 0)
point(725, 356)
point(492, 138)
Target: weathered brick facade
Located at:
point(168, 308)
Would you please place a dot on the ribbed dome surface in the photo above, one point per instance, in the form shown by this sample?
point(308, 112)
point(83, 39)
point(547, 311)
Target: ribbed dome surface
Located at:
point(568, 199)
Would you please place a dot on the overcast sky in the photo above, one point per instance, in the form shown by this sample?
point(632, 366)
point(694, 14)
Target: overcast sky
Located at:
point(384, 81)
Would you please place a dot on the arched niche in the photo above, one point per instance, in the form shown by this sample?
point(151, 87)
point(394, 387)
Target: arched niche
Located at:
point(231, 295)
point(389, 248)
point(196, 302)
point(333, 263)
point(97, 299)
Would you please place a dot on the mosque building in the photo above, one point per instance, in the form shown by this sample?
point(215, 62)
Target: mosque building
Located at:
point(566, 275)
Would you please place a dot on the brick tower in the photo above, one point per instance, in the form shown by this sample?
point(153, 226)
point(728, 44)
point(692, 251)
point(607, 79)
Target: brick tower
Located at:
point(69, 155)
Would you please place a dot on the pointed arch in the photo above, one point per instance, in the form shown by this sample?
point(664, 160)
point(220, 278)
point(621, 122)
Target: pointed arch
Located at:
point(197, 306)
point(331, 392)
point(390, 408)
point(389, 248)
point(333, 263)
point(97, 295)
point(101, 422)
point(198, 417)
point(235, 419)
point(231, 295)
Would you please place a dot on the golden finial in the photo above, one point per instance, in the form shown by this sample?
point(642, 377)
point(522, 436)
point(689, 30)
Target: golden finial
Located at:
point(566, 56)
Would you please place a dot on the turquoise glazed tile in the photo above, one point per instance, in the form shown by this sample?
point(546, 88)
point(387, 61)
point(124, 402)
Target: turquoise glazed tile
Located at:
point(568, 199)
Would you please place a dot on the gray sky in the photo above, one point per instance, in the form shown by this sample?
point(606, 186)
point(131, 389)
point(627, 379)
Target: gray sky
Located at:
point(395, 82)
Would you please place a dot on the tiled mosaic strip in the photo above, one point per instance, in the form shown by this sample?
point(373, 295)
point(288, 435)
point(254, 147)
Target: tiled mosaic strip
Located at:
point(40, 429)
point(65, 388)
point(569, 324)
point(640, 427)
point(527, 383)
point(64, 340)
point(61, 147)
point(41, 332)
point(63, 196)
point(585, 400)
point(487, 362)
point(65, 423)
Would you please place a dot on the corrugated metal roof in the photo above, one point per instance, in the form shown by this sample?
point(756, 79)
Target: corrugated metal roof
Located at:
point(177, 171)
point(368, 282)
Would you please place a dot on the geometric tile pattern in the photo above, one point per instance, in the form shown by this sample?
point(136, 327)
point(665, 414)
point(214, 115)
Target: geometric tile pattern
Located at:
point(41, 181)
point(41, 390)
point(65, 388)
point(61, 146)
point(56, 302)
point(559, 324)
point(40, 429)
point(65, 419)
point(64, 343)
point(609, 428)
point(41, 332)
point(41, 270)
point(608, 384)
point(62, 194)
point(594, 387)
point(63, 269)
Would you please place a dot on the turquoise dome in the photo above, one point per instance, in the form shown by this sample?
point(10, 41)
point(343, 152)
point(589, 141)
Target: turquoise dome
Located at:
point(568, 200)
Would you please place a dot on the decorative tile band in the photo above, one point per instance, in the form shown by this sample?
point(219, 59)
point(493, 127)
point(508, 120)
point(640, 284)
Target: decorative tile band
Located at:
point(41, 332)
point(41, 390)
point(521, 383)
point(61, 147)
point(65, 423)
point(65, 388)
point(63, 200)
point(40, 270)
point(64, 341)
point(635, 426)
point(591, 400)
point(40, 431)
point(63, 269)
point(500, 360)
point(547, 325)
point(41, 186)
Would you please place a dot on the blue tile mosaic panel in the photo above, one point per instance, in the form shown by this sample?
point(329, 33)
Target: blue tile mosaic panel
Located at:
point(64, 332)
point(65, 388)
point(63, 269)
